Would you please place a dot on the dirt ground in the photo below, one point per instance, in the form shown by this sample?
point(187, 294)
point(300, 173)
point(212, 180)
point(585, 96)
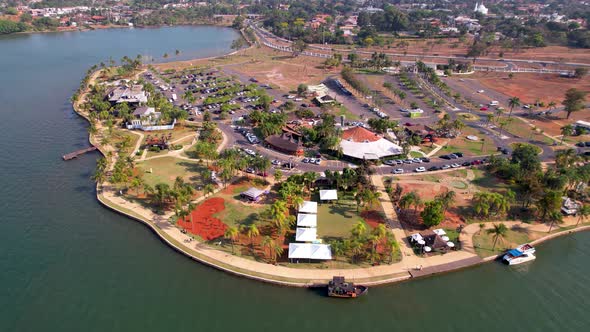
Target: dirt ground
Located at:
point(267, 66)
point(530, 87)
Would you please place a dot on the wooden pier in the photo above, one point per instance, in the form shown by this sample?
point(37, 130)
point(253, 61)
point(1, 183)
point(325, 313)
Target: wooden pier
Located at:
point(75, 154)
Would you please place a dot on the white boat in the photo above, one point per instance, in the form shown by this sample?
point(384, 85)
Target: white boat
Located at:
point(523, 253)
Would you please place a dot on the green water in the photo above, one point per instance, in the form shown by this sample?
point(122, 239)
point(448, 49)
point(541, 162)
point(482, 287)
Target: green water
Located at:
point(67, 264)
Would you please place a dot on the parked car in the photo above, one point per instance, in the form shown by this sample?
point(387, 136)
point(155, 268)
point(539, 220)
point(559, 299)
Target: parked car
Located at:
point(453, 156)
point(434, 168)
point(446, 167)
point(480, 91)
point(455, 165)
point(389, 162)
point(445, 156)
point(398, 171)
point(458, 154)
point(250, 170)
point(305, 160)
point(467, 163)
point(317, 161)
point(276, 162)
point(425, 159)
point(408, 161)
point(420, 169)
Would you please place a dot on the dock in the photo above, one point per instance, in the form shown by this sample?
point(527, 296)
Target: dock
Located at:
point(445, 267)
point(75, 154)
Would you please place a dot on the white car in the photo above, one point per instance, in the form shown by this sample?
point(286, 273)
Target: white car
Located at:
point(420, 169)
point(455, 165)
point(446, 166)
point(480, 91)
point(398, 171)
point(250, 152)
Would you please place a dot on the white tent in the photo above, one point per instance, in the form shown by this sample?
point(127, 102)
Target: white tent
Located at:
point(307, 220)
point(304, 234)
point(328, 195)
point(321, 251)
point(308, 207)
point(370, 150)
point(310, 251)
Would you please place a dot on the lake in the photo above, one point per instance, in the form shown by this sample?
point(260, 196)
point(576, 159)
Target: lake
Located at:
point(69, 264)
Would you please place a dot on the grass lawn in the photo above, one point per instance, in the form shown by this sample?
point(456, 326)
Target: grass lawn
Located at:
point(521, 129)
point(416, 154)
point(120, 135)
point(336, 220)
point(166, 169)
point(341, 110)
point(469, 147)
point(484, 242)
point(484, 179)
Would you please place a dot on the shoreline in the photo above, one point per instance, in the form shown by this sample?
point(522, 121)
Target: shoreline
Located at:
point(113, 26)
point(374, 278)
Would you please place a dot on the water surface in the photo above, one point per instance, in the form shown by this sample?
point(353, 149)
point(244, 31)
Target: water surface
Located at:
point(69, 264)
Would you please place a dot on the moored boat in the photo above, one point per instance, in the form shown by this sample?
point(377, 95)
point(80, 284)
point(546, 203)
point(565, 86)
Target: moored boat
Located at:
point(338, 287)
point(521, 254)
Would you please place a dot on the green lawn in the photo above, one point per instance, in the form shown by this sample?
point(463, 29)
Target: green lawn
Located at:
point(486, 180)
point(166, 169)
point(484, 242)
point(336, 220)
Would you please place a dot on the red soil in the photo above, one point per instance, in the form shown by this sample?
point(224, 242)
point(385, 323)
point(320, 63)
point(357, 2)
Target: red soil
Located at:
point(203, 224)
point(372, 218)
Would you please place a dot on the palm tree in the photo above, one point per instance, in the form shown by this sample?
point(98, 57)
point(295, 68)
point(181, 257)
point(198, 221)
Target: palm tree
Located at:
point(499, 231)
point(482, 226)
point(268, 242)
point(231, 233)
point(278, 211)
point(555, 217)
point(359, 229)
point(252, 232)
point(208, 189)
point(513, 102)
point(447, 199)
point(583, 213)
point(277, 250)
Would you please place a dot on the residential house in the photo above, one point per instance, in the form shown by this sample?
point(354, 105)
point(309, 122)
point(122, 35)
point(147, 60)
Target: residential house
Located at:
point(131, 95)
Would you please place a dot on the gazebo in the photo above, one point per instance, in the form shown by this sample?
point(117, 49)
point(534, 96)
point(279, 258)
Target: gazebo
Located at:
point(305, 234)
point(310, 251)
point(253, 194)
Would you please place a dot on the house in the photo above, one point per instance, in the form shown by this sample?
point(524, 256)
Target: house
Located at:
point(131, 95)
point(285, 143)
point(325, 99)
point(361, 143)
point(253, 194)
point(146, 119)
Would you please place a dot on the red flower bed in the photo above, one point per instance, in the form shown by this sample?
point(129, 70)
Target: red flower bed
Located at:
point(203, 224)
point(372, 218)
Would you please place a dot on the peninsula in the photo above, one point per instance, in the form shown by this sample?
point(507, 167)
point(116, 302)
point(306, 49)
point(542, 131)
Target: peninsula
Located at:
point(292, 163)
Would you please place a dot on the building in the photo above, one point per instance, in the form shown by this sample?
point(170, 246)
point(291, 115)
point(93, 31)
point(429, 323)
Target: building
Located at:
point(285, 143)
point(132, 95)
point(146, 119)
point(361, 143)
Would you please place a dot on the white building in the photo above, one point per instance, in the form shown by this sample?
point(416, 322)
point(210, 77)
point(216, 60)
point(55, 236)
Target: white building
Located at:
point(360, 143)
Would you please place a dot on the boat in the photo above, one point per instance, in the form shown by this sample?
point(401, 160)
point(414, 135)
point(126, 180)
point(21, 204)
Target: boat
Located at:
point(521, 254)
point(338, 287)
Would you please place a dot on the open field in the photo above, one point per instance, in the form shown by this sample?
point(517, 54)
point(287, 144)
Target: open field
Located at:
point(530, 87)
point(484, 242)
point(468, 147)
point(166, 169)
point(336, 220)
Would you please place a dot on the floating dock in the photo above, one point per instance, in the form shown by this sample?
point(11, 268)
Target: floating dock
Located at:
point(75, 154)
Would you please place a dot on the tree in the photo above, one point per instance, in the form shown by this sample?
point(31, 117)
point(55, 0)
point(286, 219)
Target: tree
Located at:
point(359, 229)
point(567, 130)
point(237, 44)
point(499, 231)
point(278, 175)
point(252, 232)
point(301, 89)
point(574, 101)
point(433, 213)
point(580, 72)
point(231, 233)
point(298, 46)
point(512, 103)
point(556, 218)
point(268, 242)
point(208, 189)
point(447, 199)
point(549, 202)
point(583, 213)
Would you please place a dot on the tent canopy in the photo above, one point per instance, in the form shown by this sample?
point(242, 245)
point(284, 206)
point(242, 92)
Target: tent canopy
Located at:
point(303, 234)
point(310, 251)
point(307, 220)
point(253, 193)
point(308, 207)
point(328, 195)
